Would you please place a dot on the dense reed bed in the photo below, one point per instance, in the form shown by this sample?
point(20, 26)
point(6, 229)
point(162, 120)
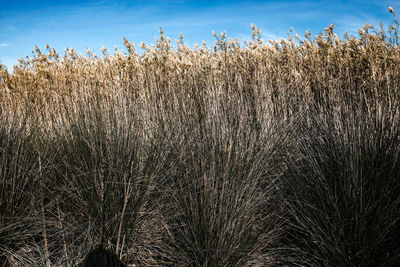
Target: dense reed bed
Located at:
point(278, 153)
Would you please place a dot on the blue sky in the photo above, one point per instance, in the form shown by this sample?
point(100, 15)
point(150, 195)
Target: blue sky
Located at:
point(92, 24)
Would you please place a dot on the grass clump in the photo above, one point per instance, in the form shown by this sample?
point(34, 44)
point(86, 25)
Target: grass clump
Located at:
point(342, 197)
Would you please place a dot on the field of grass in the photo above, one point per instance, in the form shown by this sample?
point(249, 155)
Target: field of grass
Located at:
point(279, 153)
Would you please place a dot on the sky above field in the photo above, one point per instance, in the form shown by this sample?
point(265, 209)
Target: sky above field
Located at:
point(92, 24)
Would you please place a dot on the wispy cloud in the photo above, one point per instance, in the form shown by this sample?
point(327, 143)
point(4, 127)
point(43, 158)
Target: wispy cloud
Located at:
point(4, 44)
point(11, 28)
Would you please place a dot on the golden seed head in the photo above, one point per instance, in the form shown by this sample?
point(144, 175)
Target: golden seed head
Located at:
point(337, 39)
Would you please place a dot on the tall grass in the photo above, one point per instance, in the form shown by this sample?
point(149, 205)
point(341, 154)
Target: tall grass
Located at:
point(239, 154)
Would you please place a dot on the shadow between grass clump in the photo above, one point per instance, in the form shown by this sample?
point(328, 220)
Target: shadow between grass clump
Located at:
point(101, 257)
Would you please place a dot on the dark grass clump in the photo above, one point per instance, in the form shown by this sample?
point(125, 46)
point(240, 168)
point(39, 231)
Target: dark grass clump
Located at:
point(221, 186)
point(343, 189)
point(19, 185)
point(106, 174)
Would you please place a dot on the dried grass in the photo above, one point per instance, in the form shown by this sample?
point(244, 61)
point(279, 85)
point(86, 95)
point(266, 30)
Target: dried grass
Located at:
point(262, 153)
